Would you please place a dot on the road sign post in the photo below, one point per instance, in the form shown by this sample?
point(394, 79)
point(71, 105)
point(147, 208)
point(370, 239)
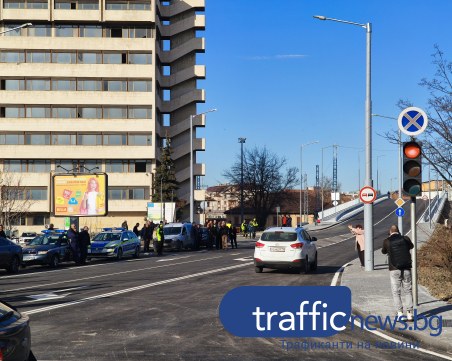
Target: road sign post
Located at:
point(414, 254)
point(400, 212)
point(367, 195)
point(412, 121)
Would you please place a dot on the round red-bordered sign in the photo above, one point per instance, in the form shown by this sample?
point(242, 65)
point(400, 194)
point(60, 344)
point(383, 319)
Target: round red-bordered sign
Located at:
point(367, 195)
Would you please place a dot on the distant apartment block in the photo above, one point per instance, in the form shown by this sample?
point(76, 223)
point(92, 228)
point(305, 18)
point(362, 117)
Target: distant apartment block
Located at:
point(98, 85)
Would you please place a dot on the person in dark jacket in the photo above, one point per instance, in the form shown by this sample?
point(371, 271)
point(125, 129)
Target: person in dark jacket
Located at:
point(135, 229)
point(84, 242)
point(72, 235)
point(233, 236)
point(398, 249)
point(125, 225)
point(2, 232)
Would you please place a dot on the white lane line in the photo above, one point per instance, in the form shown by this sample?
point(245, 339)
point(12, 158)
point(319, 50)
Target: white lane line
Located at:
point(171, 259)
point(105, 275)
point(381, 334)
point(132, 289)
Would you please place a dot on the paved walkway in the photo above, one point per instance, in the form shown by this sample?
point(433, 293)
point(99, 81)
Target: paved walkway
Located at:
point(371, 295)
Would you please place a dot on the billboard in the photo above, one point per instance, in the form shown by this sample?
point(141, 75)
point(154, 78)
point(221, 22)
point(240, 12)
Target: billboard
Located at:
point(81, 195)
point(158, 211)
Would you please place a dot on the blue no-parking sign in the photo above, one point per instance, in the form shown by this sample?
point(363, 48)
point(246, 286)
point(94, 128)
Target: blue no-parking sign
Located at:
point(400, 212)
point(412, 121)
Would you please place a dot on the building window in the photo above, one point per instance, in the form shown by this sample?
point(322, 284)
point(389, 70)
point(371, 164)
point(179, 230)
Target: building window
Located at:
point(93, 113)
point(37, 139)
point(115, 85)
point(12, 56)
point(63, 58)
point(115, 58)
point(88, 5)
point(38, 166)
point(13, 4)
point(138, 58)
point(138, 32)
point(14, 166)
point(37, 194)
point(13, 112)
point(140, 113)
point(40, 219)
point(116, 5)
point(127, 5)
point(63, 139)
point(115, 139)
point(89, 139)
point(90, 31)
point(89, 58)
point(38, 84)
point(65, 5)
point(40, 30)
point(116, 193)
point(38, 57)
point(116, 166)
point(13, 84)
point(63, 84)
point(115, 113)
point(36, 4)
point(140, 139)
point(89, 85)
point(66, 31)
point(37, 112)
point(140, 86)
point(63, 112)
point(15, 32)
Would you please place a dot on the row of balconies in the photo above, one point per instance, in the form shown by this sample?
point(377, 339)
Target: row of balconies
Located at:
point(78, 15)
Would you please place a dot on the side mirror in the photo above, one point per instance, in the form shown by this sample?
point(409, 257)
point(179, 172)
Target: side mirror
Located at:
point(125, 239)
point(313, 239)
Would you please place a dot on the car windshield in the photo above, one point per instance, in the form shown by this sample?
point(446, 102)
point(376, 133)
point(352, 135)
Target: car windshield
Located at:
point(168, 231)
point(279, 236)
point(45, 240)
point(28, 234)
point(107, 237)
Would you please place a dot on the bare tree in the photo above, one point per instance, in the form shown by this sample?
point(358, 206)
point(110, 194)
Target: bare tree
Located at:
point(264, 180)
point(437, 141)
point(15, 199)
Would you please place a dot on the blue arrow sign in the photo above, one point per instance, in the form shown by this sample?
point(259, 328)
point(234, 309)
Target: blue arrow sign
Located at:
point(412, 121)
point(400, 212)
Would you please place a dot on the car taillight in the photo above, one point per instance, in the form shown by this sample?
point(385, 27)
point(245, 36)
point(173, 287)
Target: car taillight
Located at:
point(297, 245)
point(259, 245)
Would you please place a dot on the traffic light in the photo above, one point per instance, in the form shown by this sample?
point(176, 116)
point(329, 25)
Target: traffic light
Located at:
point(412, 168)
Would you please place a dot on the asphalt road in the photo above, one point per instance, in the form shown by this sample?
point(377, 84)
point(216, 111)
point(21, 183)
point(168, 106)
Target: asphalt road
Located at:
point(166, 308)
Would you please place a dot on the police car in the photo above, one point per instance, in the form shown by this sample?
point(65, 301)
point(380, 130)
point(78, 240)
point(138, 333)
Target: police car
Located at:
point(48, 248)
point(114, 243)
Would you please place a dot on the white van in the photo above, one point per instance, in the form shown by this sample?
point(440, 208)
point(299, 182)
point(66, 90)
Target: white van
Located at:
point(179, 236)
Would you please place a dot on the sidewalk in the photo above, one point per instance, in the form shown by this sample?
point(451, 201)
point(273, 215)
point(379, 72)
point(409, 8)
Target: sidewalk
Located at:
point(371, 295)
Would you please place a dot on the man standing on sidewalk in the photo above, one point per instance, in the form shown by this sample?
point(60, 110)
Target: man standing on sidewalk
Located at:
point(398, 249)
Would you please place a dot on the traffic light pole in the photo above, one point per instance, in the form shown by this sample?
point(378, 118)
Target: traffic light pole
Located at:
point(414, 253)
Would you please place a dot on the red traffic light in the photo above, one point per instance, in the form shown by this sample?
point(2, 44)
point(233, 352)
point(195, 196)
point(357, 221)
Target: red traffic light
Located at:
point(412, 150)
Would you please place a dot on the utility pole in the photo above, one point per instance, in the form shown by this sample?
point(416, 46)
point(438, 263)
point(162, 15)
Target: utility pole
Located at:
point(241, 141)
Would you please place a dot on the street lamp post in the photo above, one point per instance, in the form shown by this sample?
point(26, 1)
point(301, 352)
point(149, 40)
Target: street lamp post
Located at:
point(241, 141)
point(368, 208)
point(192, 198)
point(323, 183)
point(301, 174)
point(26, 25)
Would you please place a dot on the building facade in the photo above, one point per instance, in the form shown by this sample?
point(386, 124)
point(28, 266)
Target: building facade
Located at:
point(96, 86)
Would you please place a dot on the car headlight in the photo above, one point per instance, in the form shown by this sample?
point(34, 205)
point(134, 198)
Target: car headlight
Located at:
point(42, 252)
point(110, 250)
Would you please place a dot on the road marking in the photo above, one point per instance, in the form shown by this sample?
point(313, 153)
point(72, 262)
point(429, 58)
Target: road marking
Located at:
point(132, 289)
point(171, 259)
point(107, 275)
point(244, 259)
point(379, 333)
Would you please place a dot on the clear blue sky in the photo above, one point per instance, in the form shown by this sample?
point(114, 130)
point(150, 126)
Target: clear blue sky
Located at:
point(281, 79)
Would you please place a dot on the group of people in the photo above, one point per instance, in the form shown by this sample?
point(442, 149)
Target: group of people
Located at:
point(219, 234)
point(249, 228)
point(79, 242)
point(146, 234)
point(397, 247)
point(286, 221)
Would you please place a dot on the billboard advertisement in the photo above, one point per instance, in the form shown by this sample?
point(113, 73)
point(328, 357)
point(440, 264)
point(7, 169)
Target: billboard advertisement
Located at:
point(158, 211)
point(81, 195)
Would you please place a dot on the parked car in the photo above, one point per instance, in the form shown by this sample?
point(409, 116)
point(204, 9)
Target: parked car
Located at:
point(286, 247)
point(15, 335)
point(114, 243)
point(49, 248)
point(179, 236)
point(10, 255)
point(26, 237)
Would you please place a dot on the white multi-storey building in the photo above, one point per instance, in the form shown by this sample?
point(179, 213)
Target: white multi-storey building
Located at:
point(99, 83)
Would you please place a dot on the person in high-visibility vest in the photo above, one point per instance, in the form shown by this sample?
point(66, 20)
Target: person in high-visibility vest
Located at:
point(158, 244)
point(244, 229)
point(253, 224)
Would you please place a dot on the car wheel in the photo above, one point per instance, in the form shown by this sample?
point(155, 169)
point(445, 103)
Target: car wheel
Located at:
point(119, 255)
point(137, 252)
point(54, 261)
point(314, 264)
point(14, 265)
point(258, 269)
point(305, 266)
